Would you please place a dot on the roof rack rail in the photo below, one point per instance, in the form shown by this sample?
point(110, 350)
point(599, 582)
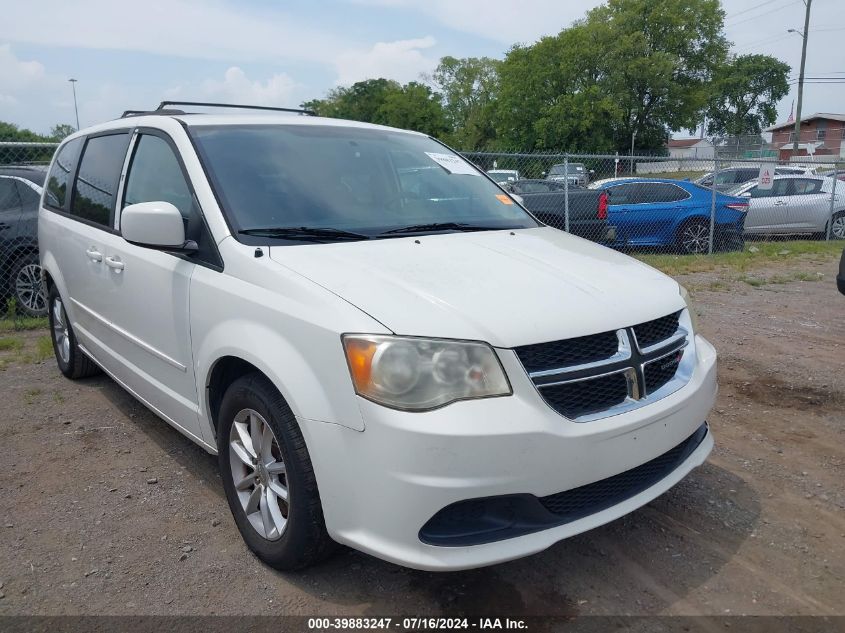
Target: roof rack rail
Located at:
point(164, 104)
point(131, 113)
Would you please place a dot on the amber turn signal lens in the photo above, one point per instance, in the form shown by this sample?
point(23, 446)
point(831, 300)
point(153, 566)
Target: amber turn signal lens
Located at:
point(360, 355)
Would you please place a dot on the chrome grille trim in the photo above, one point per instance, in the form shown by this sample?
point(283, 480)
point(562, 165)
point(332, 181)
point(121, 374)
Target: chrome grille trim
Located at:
point(623, 353)
point(630, 360)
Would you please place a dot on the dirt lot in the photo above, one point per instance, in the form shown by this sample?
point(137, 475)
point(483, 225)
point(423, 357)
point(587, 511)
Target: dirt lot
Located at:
point(106, 510)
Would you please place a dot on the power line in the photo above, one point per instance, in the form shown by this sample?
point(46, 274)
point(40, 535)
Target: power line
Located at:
point(755, 17)
point(756, 6)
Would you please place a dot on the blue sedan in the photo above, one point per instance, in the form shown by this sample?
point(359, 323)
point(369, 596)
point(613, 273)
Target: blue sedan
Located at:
point(674, 213)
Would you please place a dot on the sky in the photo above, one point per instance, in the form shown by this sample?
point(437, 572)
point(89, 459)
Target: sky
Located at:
point(265, 52)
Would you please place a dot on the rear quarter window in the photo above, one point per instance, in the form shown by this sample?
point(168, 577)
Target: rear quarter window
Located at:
point(60, 174)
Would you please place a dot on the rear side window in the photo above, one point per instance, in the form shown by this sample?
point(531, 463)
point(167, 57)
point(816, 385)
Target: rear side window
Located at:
point(9, 198)
point(779, 188)
point(662, 192)
point(624, 194)
point(96, 181)
point(58, 180)
point(804, 186)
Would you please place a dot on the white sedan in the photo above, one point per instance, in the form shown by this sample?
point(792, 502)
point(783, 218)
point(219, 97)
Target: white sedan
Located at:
point(794, 205)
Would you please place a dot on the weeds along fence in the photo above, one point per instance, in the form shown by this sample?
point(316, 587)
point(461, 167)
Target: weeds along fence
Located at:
point(701, 204)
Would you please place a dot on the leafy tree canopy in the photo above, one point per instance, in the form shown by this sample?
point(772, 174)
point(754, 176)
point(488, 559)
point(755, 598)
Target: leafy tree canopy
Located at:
point(745, 93)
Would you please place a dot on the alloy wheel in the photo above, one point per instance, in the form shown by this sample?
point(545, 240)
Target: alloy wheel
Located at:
point(29, 290)
point(61, 334)
point(837, 228)
point(695, 238)
point(259, 474)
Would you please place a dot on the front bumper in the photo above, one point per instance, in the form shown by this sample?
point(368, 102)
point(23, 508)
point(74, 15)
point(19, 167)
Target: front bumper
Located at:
point(381, 486)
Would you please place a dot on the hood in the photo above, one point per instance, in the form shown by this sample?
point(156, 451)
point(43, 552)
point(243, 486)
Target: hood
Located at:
point(505, 288)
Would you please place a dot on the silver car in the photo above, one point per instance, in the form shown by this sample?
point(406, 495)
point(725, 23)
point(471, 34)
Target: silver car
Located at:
point(794, 205)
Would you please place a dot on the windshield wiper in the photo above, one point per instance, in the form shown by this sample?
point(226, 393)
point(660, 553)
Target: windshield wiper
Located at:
point(304, 233)
point(441, 226)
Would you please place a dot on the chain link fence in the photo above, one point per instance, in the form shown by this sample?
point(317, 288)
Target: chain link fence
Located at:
point(23, 168)
point(700, 204)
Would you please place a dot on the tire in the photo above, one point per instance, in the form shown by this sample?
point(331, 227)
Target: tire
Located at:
point(73, 363)
point(837, 227)
point(693, 237)
point(286, 534)
point(26, 288)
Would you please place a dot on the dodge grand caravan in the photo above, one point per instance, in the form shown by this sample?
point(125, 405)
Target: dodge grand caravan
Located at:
point(381, 346)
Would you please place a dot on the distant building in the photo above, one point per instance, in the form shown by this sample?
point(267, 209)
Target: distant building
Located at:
point(681, 148)
point(821, 134)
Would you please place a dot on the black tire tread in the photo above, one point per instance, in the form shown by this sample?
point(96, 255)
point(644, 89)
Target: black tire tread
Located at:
point(318, 545)
point(80, 366)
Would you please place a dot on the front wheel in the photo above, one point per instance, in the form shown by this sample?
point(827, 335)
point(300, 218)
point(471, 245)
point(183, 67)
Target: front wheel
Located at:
point(268, 476)
point(694, 237)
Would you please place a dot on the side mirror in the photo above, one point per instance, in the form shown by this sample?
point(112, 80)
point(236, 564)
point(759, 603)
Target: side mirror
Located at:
point(518, 198)
point(592, 172)
point(745, 194)
point(543, 174)
point(155, 225)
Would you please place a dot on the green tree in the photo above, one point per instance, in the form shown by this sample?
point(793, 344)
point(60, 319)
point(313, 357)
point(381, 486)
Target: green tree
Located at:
point(630, 68)
point(745, 93)
point(11, 132)
point(413, 107)
point(360, 102)
point(61, 131)
point(470, 88)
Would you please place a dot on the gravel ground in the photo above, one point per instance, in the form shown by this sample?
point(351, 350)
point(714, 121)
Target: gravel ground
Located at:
point(104, 509)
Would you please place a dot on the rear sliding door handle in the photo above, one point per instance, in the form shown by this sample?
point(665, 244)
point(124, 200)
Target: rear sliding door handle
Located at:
point(94, 255)
point(114, 263)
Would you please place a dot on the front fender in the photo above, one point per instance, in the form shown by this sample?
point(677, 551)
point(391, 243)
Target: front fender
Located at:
point(290, 330)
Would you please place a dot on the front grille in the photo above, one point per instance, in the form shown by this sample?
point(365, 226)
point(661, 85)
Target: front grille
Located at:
point(573, 351)
point(657, 373)
point(652, 332)
point(600, 495)
point(594, 376)
point(574, 399)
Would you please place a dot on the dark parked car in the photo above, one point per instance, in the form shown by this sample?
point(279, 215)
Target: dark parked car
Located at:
point(546, 199)
point(674, 213)
point(840, 278)
point(20, 272)
point(578, 174)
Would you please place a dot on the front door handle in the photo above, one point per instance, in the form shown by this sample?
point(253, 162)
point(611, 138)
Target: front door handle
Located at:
point(780, 203)
point(114, 263)
point(94, 255)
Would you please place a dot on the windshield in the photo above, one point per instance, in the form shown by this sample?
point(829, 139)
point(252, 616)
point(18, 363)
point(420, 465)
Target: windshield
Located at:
point(574, 168)
point(366, 181)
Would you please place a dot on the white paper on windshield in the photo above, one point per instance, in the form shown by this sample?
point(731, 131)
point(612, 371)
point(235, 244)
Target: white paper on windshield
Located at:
point(453, 164)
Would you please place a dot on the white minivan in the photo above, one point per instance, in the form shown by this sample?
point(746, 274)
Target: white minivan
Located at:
point(383, 349)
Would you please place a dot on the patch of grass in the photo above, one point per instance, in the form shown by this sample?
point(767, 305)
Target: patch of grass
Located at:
point(31, 395)
point(10, 343)
point(755, 254)
point(756, 282)
point(43, 349)
point(20, 324)
point(676, 175)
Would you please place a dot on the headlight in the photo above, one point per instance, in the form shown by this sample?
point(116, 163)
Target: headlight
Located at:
point(417, 374)
point(693, 315)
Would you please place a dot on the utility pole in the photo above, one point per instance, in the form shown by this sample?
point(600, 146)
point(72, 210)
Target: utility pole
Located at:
point(797, 132)
point(76, 109)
